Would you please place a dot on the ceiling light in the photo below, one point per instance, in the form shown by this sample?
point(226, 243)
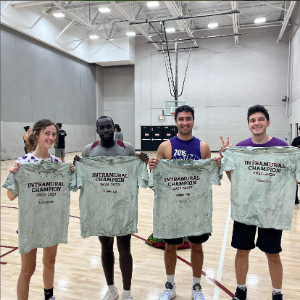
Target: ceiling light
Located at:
point(58, 15)
point(131, 33)
point(260, 20)
point(104, 9)
point(213, 25)
point(152, 3)
point(93, 36)
point(170, 29)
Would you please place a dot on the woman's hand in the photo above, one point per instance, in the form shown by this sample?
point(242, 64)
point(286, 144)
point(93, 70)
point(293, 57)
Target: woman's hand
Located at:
point(15, 168)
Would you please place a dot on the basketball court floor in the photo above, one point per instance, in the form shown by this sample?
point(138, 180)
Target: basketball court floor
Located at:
point(79, 273)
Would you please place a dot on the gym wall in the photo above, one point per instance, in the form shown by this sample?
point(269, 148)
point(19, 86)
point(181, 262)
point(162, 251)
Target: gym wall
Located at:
point(294, 98)
point(223, 80)
point(39, 82)
point(117, 100)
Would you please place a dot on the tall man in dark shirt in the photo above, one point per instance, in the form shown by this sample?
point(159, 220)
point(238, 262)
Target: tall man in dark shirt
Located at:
point(60, 148)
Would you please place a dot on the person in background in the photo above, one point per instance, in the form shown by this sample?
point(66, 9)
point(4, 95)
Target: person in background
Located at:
point(26, 137)
point(296, 143)
point(60, 149)
point(119, 134)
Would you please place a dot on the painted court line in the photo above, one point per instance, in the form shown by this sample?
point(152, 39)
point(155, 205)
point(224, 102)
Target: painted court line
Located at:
point(10, 247)
point(215, 281)
point(222, 256)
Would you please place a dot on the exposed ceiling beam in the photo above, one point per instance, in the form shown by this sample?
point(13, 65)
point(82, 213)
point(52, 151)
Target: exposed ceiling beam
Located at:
point(38, 19)
point(68, 26)
point(29, 3)
point(234, 6)
point(117, 6)
point(269, 4)
point(78, 20)
point(286, 19)
point(174, 10)
point(5, 5)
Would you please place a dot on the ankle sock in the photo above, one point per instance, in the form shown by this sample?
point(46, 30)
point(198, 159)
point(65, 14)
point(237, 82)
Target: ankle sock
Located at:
point(196, 280)
point(171, 278)
point(276, 291)
point(242, 286)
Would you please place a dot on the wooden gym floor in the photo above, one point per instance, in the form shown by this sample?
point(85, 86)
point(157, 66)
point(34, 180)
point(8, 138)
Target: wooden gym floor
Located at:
point(79, 272)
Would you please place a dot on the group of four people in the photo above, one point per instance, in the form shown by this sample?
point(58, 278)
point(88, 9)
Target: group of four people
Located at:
point(182, 146)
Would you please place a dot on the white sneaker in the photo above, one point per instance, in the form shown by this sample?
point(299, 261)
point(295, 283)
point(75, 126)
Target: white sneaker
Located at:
point(197, 292)
point(52, 298)
point(111, 294)
point(169, 292)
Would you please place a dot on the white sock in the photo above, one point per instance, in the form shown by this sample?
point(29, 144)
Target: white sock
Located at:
point(276, 291)
point(242, 286)
point(126, 294)
point(111, 287)
point(196, 280)
point(171, 278)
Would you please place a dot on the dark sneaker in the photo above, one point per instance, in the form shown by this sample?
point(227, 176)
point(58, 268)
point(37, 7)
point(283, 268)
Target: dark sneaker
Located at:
point(277, 296)
point(297, 201)
point(240, 294)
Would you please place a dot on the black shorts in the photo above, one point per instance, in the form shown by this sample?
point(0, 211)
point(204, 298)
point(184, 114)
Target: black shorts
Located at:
point(268, 240)
point(198, 239)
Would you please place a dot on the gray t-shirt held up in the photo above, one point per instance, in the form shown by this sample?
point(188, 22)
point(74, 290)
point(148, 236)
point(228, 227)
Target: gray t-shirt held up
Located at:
point(263, 184)
point(44, 203)
point(108, 199)
point(183, 197)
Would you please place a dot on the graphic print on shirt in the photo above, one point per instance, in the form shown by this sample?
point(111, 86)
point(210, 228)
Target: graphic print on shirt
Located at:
point(182, 154)
point(109, 180)
point(185, 150)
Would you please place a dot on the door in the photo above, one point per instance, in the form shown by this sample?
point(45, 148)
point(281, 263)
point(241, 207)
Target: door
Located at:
point(147, 138)
point(157, 137)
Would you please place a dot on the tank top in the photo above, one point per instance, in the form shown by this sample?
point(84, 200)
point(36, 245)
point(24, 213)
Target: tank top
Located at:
point(185, 149)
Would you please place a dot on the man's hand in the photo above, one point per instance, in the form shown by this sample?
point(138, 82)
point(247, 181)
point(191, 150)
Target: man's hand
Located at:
point(143, 156)
point(218, 160)
point(153, 162)
point(72, 167)
point(15, 168)
point(76, 158)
